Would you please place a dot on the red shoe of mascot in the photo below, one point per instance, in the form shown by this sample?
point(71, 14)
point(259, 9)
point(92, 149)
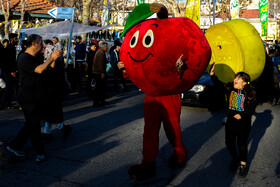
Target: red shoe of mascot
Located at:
point(163, 57)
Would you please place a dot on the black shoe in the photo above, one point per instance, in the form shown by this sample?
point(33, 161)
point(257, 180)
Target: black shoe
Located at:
point(243, 170)
point(66, 129)
point(234, 164)
point(46, 136)
point(16, 152)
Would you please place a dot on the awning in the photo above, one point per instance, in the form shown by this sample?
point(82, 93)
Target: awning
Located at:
point(62, 30)
point(30, 14)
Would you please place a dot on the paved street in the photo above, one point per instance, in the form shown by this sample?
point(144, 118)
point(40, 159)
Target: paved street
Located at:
point(105, 141)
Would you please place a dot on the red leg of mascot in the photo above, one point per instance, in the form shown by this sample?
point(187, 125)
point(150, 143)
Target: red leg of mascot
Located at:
point(166, 109)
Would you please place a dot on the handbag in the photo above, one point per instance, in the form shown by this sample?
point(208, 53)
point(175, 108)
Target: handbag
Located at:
point(2, 83)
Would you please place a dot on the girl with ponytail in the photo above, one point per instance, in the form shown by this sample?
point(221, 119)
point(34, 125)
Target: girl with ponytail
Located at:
point(241, 98)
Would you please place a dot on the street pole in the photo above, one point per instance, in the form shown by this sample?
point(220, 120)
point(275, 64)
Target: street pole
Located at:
point(274, 38)
point(123, 12)
point(214, 7)
point(70, 37)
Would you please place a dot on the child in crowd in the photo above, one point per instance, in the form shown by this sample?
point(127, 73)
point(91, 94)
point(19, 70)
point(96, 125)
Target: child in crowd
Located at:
point(241, 106)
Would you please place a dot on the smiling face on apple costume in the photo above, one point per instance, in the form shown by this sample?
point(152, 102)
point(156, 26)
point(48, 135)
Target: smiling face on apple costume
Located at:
point(152, 47)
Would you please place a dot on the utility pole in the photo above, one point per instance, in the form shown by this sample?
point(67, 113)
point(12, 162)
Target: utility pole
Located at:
point(214, 7)
point(123, 12)
point(275, 34)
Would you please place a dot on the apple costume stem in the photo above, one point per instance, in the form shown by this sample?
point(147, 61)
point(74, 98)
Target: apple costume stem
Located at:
point(162, 71)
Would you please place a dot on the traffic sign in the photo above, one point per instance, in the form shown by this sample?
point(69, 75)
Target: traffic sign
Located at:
point(61, 12)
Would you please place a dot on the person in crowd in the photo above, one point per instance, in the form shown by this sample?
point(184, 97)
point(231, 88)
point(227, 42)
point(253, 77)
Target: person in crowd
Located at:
point(5, 43)
point(241, 106)
point(275, 55)
point(114, 46)
point(114, 63)
point(55, 94)
point(80, 56)
point(99, 73)
point(2, 84)
point(49, 48)
point(57, 46)
point(90, 57)
point(98, 45)
point(265, 84)
point(80, 48)
point(23, 48)
point(9, 71)
point(31, 96)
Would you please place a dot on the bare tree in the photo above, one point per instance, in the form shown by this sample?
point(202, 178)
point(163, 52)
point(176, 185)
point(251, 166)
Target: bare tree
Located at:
point(209, 7)
point(6, 13)
point(224, 10)
point(85, 17)
point(274, 8)
point(86, 11)
point(175, 8)
point(22, 12)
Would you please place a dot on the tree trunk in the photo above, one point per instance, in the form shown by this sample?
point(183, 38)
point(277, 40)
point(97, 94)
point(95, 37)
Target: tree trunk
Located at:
point(86, 12)
point(175, 8)
point(85, 18)
point(6, 13)
point(7, 27)
point(23, 3)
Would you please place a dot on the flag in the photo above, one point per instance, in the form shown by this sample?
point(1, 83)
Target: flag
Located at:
point(263, 7)
point(234, 11)
point(105, 13)
point(193, 10)
point(140, 1)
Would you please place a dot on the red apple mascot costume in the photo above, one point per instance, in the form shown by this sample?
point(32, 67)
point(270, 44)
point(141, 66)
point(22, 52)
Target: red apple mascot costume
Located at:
point(163, 57)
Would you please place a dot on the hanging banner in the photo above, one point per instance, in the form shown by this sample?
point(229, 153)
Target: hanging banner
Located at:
point(234, 11)
point(193, 10)
point(14, 25)
point(263, 7)
point(105, 13)
point(140, 2)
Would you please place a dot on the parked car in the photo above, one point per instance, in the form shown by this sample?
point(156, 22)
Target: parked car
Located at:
point(204, 94)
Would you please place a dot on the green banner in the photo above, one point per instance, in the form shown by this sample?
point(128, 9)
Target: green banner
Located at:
point(140, 2)
point(263, 7)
